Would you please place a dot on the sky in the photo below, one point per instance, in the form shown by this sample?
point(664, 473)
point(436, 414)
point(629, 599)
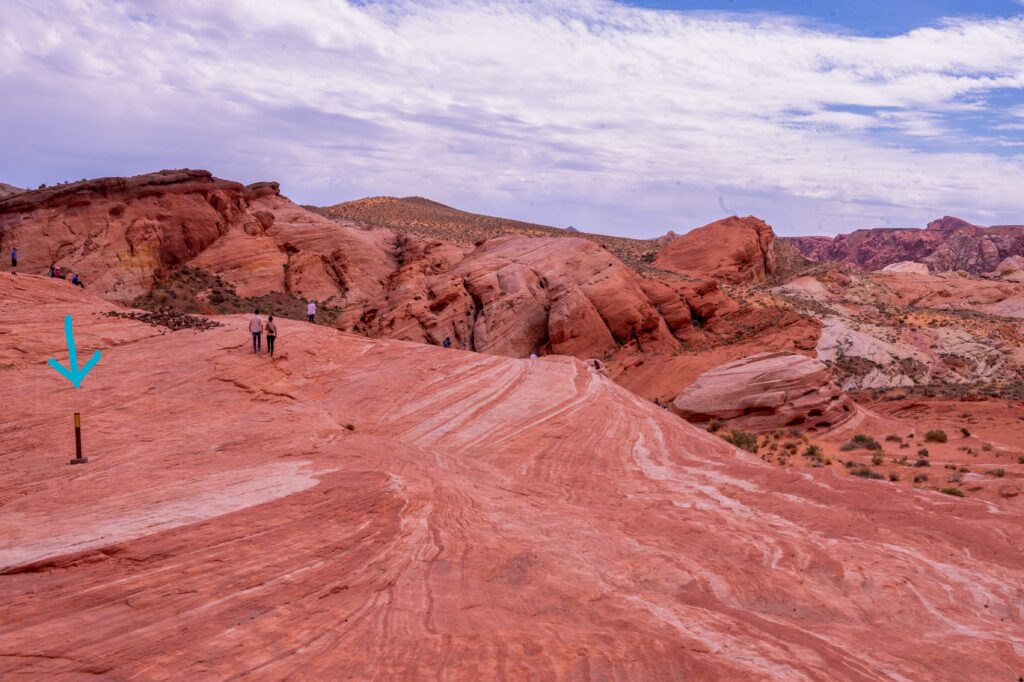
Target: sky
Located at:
point(630, 118)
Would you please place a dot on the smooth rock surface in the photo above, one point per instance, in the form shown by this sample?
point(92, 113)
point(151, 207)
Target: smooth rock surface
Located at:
point(485, 518)
point(765, 392)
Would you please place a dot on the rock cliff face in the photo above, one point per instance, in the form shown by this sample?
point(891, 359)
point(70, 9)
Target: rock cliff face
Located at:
point(511, 295)
point(736, 249)
point(765, 392)
point(947, 244)
point(484, 518)
point(121, 233)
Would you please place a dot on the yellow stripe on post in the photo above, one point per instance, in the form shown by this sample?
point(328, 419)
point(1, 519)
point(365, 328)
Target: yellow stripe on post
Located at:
point(78, 420)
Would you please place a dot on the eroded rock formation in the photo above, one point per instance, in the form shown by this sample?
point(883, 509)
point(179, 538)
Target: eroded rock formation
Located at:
point(765, 392)
point(736, 249)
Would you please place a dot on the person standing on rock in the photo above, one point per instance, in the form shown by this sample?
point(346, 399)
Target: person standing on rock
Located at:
point(271, 328)
point(447, 343)
point(256, 327)
point(14, 260)
point(311, 312)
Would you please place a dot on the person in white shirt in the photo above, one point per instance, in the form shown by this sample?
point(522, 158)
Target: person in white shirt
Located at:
point(311, 311)
point(256, 327)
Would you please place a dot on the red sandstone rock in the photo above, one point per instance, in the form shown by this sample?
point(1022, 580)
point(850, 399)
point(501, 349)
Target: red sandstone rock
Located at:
point(765, 392)
point(947, 244)
point(737, 249)
point(487, 517)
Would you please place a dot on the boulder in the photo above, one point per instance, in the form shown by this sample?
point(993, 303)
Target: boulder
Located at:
point(764, 392)
point(736, 249)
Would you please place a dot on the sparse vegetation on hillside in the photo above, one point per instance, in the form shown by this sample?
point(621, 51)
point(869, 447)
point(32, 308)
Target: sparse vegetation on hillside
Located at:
point(936, 436)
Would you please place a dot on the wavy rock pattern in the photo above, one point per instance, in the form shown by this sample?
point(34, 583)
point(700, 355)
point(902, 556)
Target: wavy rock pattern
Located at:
point(487, 517)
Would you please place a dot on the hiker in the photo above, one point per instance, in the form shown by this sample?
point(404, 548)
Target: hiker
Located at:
point(77, 281)
point(311, 312)
point(52, 270)
point(256, 327)
point(533, 356)
point(58, 272)
point(447, 343)
point(14, 260)
point(271, 334)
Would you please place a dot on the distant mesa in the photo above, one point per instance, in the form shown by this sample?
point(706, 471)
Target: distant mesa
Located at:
point(765, 392)
point(948, 244)
point(571, 229)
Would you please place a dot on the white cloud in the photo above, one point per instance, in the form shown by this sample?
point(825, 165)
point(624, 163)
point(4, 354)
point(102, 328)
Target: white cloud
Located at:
point(536, 109)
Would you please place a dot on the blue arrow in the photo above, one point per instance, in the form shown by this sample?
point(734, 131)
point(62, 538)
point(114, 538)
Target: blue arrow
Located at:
point(74, 374)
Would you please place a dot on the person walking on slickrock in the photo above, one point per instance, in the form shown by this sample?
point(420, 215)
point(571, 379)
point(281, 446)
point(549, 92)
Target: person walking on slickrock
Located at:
point(447, 343)
point(311, 312)
point(271, 328)
point(14, 260)
point(256, 327)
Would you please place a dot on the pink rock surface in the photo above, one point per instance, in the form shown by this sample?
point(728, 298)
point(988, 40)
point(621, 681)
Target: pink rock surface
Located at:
point(765, 392)
point(486, 518)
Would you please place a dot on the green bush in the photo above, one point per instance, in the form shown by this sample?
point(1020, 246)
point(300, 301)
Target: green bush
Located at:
point(936, 436)
point(741, 439)
point(893, 476)
point(998, 473)
point(864, 472)
point(966, 432)
point(923, 452)
point(956, 492)
point(877, 459)
point(920, 478)
point(861, 442)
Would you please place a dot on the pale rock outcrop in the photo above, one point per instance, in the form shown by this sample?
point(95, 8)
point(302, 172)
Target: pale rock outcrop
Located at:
point(764, 392)
point(908, 267)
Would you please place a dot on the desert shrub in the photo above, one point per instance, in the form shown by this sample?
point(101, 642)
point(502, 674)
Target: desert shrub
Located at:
point(902, 461)
point(741, 439)
point(864, 472)
point(936, 436)
point(920, 478)
point(893, 438)
point(998, 473)
point(1020, 460)
point(904, 445)
point(923, 452)
point(860, 442)
point(956, 492)
point(951, 466)
point(964, 470)
point(350, 427)
point(893, 476)
point(714, 425)
point(877, 459)
point(966, 432)
point(848, 463)
point(922, 463)
point(987, 447)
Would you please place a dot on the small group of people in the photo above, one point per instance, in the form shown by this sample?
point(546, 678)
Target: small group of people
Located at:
point(257, 326)
point(58, 272)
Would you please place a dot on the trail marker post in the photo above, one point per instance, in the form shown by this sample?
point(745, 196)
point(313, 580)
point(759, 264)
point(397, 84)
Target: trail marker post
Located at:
point(78, 442)
point(75, 375)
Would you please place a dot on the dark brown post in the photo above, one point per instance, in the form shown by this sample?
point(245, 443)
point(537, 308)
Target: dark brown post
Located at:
point(78, 442)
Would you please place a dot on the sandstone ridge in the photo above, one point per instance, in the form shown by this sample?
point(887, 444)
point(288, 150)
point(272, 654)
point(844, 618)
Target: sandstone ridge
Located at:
point(381, 509)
